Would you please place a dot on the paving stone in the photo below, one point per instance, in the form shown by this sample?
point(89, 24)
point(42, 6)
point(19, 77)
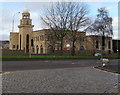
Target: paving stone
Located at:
point(74, 80)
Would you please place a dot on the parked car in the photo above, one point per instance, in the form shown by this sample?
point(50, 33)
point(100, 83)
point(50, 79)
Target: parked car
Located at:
point(98, 54)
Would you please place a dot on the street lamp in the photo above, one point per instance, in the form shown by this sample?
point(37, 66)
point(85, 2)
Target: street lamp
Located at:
point(13, 21)
point(68, 45)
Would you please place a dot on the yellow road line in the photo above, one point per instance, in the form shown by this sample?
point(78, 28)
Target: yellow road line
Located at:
point(6, 73)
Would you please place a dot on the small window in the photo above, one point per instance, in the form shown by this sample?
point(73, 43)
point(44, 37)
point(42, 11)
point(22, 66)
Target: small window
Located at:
point(82, 48)
point(13, 46)
point(82, 39)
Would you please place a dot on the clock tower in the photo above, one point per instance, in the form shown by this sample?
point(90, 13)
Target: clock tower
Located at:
point(25, 30)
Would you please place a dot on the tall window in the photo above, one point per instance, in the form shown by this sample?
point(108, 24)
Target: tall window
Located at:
point(20, 42)
point(27, 22)
point(109, 45)
point(17, 47)
point(27, 43)
point(37, 49)
point(31, 42)
point(41, 49)
point(97, 44)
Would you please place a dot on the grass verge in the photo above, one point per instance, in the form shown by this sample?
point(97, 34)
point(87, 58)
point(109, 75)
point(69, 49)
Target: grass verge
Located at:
point(63, 57)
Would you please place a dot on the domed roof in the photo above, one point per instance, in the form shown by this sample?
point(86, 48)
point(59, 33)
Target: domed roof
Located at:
point(26, 10)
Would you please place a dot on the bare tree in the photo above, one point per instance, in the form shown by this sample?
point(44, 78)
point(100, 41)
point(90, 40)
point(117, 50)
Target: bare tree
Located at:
point(66, 18)
point(56, 19)
point(102, 26)
point(77, 20)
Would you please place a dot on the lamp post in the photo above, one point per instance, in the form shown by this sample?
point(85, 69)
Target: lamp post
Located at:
point(13, 21)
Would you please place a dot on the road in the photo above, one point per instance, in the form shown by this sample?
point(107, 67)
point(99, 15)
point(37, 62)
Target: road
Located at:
point(57, 76)
point(47, 64)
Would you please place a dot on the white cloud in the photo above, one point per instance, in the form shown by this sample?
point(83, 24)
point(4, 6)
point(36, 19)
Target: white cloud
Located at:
point(35, 10)
point(115, 27)
point(4, 36)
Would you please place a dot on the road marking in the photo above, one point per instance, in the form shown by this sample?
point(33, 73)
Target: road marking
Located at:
point(107, 71)
point(6, 73)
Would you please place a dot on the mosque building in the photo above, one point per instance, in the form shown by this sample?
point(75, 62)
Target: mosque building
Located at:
point(39, 42)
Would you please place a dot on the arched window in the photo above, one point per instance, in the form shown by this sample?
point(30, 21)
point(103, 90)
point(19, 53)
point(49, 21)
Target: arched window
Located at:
point(81, 47)
point(33, 50)
point(41, 49)
point(37, 49)
point(24, 16)
point(31, 42)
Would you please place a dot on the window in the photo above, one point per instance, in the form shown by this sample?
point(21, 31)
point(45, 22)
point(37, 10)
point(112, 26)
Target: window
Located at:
point(17, 47)
point(31, 42)
point(81, 47)
point(20, 42)
point(27, 43)
point(37, 49)
point(41, 49)
point(42, 37)
point(33, 49)
point(109, 45)
point(13, 46)
point(27, 22)
point(82, 39)
point(97, 44)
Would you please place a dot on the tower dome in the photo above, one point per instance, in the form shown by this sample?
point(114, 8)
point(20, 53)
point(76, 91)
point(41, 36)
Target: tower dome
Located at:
point(26, 10)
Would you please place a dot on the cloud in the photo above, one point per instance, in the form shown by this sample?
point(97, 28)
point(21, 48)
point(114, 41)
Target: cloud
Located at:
point(4, 36)
point(36, 10)
point(115, 28)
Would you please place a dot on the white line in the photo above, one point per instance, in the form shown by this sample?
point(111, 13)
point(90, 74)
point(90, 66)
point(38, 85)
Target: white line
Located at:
point(106, 71)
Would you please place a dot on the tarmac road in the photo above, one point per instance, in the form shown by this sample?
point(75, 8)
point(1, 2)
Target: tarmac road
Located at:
point(47, 64)
point(57, 76)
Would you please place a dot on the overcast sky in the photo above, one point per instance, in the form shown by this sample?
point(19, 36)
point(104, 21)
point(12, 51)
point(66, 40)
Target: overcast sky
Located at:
point(8, 9)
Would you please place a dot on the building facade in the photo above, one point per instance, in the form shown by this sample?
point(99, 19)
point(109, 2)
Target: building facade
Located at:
point(4, 44)
point(116, 46)
point(41, 41)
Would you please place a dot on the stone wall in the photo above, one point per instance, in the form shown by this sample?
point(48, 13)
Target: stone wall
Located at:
point(68, 53)
point(7, 52)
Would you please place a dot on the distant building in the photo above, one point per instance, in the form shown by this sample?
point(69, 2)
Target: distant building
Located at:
point(94, 43)
point(41, 41)
point(4, 44)
point(116, 46)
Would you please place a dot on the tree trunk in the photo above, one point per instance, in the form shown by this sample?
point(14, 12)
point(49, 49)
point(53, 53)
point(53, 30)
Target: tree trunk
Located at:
point(61, 47)
point(73, 48)
point(103, 44)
